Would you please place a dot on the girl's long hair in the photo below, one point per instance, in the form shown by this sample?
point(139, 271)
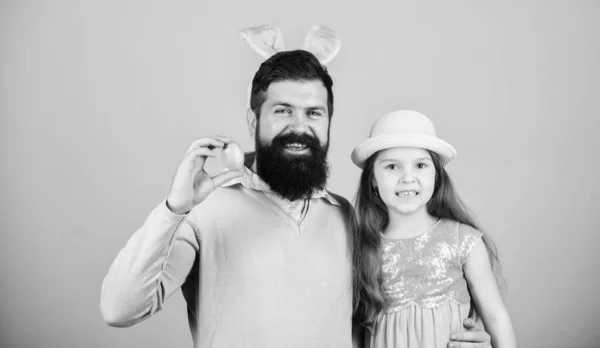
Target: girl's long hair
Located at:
point(370, 298)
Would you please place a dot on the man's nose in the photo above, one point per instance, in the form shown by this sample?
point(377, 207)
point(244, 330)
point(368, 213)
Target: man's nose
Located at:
point(299, 123)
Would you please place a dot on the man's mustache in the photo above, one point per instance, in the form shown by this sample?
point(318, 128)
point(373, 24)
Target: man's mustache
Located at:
point(299, 138)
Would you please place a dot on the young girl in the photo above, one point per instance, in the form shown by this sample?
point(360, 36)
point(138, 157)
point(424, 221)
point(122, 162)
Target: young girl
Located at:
point(421, 264)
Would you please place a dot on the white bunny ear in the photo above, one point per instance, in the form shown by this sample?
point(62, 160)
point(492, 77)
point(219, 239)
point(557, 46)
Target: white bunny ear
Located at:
point(323, 42)
point(265, 40)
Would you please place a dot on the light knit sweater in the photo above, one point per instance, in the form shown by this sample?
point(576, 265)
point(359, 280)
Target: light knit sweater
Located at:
point(251, 275)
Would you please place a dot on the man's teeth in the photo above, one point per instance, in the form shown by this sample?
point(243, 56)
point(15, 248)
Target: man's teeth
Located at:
point(406, 193)
point(296, 146)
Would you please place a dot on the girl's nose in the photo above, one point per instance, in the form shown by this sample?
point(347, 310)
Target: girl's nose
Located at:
point(407, 176)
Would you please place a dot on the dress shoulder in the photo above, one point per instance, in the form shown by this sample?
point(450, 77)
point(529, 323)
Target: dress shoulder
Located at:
point(467, 238)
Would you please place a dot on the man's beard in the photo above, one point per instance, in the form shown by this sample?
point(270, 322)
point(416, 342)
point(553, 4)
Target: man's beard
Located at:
point(292, 176)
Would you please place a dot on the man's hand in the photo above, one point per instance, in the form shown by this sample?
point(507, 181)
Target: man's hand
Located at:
point(191, 184)
point(472, 338)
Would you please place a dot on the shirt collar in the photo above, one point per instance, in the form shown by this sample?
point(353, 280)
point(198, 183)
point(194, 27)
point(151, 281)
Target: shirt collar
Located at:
point(251, 180)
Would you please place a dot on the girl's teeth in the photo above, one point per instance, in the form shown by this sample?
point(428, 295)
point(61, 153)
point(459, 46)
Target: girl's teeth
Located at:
point(407, 193)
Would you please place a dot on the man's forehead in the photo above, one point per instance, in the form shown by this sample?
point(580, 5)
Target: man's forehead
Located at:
point(311, 93)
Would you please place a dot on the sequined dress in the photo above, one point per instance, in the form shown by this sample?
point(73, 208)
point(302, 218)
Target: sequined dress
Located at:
point(424, 278)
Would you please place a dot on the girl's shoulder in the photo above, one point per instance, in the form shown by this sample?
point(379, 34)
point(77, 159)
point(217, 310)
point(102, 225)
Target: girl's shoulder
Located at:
point(459, 229)
point(467, 237)
point(468, 231)
point(462, 236)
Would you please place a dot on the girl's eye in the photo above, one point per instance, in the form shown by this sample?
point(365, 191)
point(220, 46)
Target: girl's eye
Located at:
point(391, 166)
point(422, 165)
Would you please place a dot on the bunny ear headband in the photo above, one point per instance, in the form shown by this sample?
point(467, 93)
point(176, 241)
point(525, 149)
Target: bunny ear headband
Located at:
point(267, 40)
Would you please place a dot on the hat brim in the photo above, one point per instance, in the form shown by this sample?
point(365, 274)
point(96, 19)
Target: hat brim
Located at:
point(387, 141)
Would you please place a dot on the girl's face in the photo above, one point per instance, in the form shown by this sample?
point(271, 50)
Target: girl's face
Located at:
point(405, 179)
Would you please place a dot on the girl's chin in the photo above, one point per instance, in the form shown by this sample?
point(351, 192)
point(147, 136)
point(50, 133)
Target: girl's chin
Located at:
point(408, 210)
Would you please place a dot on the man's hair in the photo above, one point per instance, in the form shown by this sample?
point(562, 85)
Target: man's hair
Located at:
point(298, 65)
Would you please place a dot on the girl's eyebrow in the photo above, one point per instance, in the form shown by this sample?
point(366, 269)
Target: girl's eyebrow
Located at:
point(396, 160)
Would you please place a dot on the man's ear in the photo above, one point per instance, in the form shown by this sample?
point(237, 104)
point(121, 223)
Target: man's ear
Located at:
point(251, 119)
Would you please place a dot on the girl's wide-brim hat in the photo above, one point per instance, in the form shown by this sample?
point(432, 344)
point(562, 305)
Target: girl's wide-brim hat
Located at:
point(403, 128)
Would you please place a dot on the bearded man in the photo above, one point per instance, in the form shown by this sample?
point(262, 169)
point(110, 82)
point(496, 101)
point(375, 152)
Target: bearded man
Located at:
point(262, 255)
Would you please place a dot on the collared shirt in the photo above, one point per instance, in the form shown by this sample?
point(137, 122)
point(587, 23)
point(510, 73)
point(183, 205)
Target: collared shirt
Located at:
point(295, 210)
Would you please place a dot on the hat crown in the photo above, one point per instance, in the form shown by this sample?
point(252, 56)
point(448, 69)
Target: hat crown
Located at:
point(403, 122)
point(403, 128)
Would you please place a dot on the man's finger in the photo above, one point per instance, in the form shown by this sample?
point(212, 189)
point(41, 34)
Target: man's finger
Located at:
point(470, 336)
point(199, 153)
point(470, 324)
point(225, 177)
point(222, 138)
point(468, 345)
point(214, 141)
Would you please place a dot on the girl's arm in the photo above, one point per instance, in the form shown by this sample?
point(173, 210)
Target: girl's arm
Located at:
point(484, 289)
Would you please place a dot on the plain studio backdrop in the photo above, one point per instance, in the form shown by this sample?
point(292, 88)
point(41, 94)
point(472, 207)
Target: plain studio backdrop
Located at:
point(99, 100)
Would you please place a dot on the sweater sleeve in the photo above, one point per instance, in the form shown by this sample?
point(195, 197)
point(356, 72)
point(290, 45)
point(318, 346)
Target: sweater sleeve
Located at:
point(151, 267)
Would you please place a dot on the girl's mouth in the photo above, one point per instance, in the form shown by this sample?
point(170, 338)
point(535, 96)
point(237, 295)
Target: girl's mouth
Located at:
point(409, 193)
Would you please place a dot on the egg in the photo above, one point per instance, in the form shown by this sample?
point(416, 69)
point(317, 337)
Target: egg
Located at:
point(233, 156)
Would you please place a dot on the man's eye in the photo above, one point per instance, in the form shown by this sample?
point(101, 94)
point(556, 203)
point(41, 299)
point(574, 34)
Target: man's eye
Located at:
point(282, 111)
point(315, 113)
